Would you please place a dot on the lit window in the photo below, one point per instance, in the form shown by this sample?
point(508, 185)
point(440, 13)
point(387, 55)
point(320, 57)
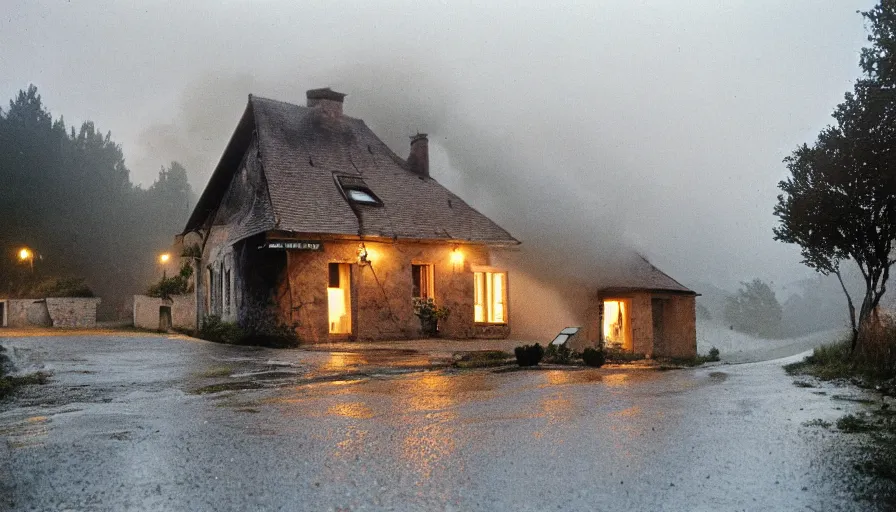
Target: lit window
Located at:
point(339, 305)
point(421, 276)
point(490, 297)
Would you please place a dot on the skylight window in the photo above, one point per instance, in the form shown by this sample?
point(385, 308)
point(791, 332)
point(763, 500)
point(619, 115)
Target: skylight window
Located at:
point(356, 190)
point(360, 196)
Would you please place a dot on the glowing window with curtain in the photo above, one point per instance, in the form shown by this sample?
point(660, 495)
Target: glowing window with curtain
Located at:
point(421, 279)
point(490, 297)
point(339, 306)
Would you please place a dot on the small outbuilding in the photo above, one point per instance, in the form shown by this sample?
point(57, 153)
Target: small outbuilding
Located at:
point(640, 309)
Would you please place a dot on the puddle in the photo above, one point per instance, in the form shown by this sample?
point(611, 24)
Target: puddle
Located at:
point(718, 376)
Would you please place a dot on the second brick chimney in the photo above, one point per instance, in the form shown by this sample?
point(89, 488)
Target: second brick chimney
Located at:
point(418, 160)
point(326, 99)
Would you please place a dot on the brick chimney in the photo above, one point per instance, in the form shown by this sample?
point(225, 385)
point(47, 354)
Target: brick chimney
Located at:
point(418, 160)
point(326, 100)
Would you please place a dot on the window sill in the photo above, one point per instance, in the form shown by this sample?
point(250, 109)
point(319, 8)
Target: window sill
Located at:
point(490, 323)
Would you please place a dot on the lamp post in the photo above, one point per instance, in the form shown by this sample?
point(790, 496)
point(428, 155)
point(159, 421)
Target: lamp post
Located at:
point(26, 254)
point(163, 260)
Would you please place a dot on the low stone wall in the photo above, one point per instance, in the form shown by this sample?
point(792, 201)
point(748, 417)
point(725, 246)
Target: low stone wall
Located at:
point(491, 331)
point(52, 312)
point(72, 311)
point(27, 313)
point(147, 311)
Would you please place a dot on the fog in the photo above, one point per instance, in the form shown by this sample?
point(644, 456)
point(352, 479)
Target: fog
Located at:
point(654, 125)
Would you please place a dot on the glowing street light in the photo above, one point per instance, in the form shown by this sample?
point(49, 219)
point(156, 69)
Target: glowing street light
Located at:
point(164, 258)
point(26, 254)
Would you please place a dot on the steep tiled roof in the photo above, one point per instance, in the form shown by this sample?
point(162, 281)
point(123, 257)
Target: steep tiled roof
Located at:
point(634, 272)
point(301, 150)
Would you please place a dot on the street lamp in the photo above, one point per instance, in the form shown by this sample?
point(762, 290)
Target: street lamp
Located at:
point(163, 260)
point(26, 254)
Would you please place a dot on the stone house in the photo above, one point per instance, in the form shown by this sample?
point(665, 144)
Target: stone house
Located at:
point(310, 213)
point(643, 310)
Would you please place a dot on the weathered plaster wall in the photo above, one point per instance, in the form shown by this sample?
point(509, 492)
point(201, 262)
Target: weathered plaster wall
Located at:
point(72, 311)
point(542, 306)
point(642, 323)
point(183, 311)
point(382, 290)
point(679, 328)
point(27, 312)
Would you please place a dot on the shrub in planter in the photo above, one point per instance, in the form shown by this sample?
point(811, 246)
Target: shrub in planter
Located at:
point(594, 357)
point(429, 314)
point(529, 355)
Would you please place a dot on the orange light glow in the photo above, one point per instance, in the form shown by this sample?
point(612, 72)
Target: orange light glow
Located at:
point(365, 255)
point(164, 258)
point(24, 254)
point(457, 257)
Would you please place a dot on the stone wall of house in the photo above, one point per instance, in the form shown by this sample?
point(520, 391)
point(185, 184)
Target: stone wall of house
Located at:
point(382, 290)
point(679, 338)
point(491, 331)
point(72, 311)
point(642, 323)
point(147, 311)
point(27, 313)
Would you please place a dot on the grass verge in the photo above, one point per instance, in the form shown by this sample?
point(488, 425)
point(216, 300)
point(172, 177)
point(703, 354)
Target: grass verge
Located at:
point(482, 359)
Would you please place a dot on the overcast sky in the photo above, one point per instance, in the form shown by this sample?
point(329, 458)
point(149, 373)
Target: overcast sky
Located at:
point(655, 124)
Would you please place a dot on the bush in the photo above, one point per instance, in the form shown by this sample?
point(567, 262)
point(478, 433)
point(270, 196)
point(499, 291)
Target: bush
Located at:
point(559, 354)
point(529, 355)
point(713, 354)
point(64, 287)
point(622, 356)
point(594, 357)
point(429, 314)
point(219, 331)
point(481, 359)
point(177, 285)
point(875, 354)
point(262, 326)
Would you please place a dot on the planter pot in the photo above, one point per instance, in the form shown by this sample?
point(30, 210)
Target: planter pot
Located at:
point(429, 326)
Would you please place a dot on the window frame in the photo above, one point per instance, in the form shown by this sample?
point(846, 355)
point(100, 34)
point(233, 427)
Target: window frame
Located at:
point(347, 183)
point(429, 269)
point(484, 300)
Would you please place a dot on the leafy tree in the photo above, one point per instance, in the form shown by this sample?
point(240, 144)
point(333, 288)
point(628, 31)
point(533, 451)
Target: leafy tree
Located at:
point(839, 203)
point(754, 309)
point(66, 193)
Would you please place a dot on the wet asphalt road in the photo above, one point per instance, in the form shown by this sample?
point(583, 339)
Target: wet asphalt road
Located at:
point(121, 427)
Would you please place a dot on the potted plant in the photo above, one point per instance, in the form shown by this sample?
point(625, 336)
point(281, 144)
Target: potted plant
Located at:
point(429, 314)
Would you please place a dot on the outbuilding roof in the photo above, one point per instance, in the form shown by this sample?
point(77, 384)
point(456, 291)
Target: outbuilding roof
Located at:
point(636, 273)
point(303, 153)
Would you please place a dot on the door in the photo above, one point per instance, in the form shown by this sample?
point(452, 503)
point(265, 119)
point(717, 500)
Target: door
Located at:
point(164, 318)
point(339, 298)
